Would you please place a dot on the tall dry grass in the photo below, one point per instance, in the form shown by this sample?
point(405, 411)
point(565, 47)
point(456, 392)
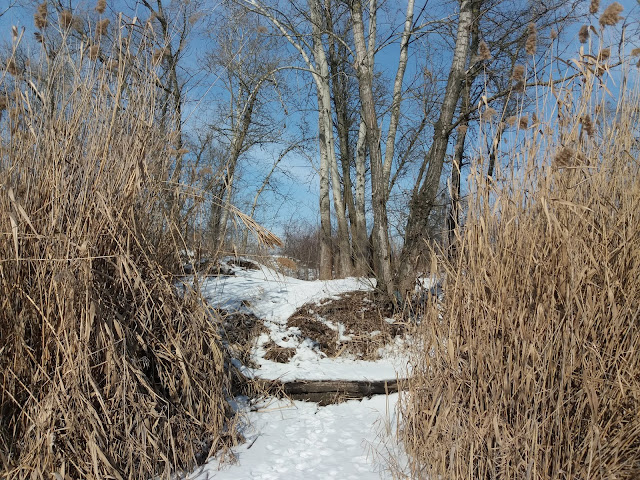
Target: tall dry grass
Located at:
point(530, 366)
point(106, 370)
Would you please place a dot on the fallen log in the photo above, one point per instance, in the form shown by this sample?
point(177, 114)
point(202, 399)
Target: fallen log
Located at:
point(327, 392)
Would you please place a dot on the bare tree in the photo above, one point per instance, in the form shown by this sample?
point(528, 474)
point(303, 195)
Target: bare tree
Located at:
point(243, 58)
point(380, 168)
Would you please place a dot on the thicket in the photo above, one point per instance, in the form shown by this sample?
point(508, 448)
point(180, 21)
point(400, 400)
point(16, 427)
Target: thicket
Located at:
point(107, 370)
point(530, 366)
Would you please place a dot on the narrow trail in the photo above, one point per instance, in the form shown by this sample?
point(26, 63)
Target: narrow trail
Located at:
point(301, 440)
point(290, 439)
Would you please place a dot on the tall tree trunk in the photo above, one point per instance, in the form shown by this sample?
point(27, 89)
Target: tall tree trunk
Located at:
point(240, 130)
point(326, 252)
point(422, 203)
point(337, 59)
point(453, 218)
point(360, 237)
point(326, 134)
point(394, 119)
point(382, 248)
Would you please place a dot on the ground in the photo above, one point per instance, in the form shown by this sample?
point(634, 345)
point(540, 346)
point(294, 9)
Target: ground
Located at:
point(282, 329)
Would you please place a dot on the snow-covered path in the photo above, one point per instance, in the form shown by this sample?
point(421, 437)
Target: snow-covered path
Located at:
point(301, 440)
point(304, 441)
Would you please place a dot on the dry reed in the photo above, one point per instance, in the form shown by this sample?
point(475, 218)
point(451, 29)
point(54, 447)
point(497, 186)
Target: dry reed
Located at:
point(530, 366)
point(107, 369)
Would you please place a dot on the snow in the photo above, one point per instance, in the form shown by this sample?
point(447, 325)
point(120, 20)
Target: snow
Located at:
point(274, 297)
point(301, 440)
point(298, 440)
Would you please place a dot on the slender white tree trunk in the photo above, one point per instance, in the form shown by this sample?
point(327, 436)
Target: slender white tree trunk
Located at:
point(325, 119)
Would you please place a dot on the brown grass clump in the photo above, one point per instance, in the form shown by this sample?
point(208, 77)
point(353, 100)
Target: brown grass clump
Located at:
point(159, 54)
point(66, 19)
point(588, 125)
point(611, 16)
point(487, 114)
point(102, 27)
point(40, 18)
point(483, 51)
point(287, 263)
point(583, 34)
point(604, 54)
point(518, 73)
point(314, 329)
point(364, 320)
point(94, 52)
point(532, 40)
point(101, 6)
point(279, 354)
point(530, 366)
point(107, 370)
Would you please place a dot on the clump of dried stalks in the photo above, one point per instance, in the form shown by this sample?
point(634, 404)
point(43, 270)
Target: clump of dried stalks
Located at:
point(530, 367)
point(106, 370)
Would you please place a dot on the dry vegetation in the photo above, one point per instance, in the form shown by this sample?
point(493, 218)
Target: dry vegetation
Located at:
point(106, 370)
point(365, 323)
point(530, 367)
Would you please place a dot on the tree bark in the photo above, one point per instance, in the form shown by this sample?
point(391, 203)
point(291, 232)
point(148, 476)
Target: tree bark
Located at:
point(382, 248)
point(326, 134)
point(361, 238)
point(422, 203)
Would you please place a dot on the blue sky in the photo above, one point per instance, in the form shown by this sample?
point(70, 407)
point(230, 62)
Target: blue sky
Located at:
point(296, 179)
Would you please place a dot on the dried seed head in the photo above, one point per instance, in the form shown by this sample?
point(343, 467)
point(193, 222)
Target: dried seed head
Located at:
point(262, 29)
point(4, 102)
point(94, 52)
point(483, 51)
point(101, 6)
point(532, 40)
point(518, 73)
point(111, 65)
point(519, 87)
point(635, 52)
point(12, 67)
point(523, 123)
point(583, 34)
point(594, 7)
point(534, 118)
point(14, 113)
point(462, 129)
point(604, 54)
point(564, 157)
point(511, 121)
point(587, 124)
point(488, 114)
point(102, 27)
point(611, 15)
point(158, 55)
point(40, 18)
point(65, 18)
point(78, 24)
point(553, 34)
point(38, 36)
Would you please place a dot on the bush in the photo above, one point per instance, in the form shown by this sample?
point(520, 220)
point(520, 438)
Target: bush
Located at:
point(530, 366)
point(107, 371)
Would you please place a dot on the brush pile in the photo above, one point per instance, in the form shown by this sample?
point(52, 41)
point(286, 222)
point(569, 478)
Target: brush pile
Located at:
point(106, 369)
point(530, 366)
